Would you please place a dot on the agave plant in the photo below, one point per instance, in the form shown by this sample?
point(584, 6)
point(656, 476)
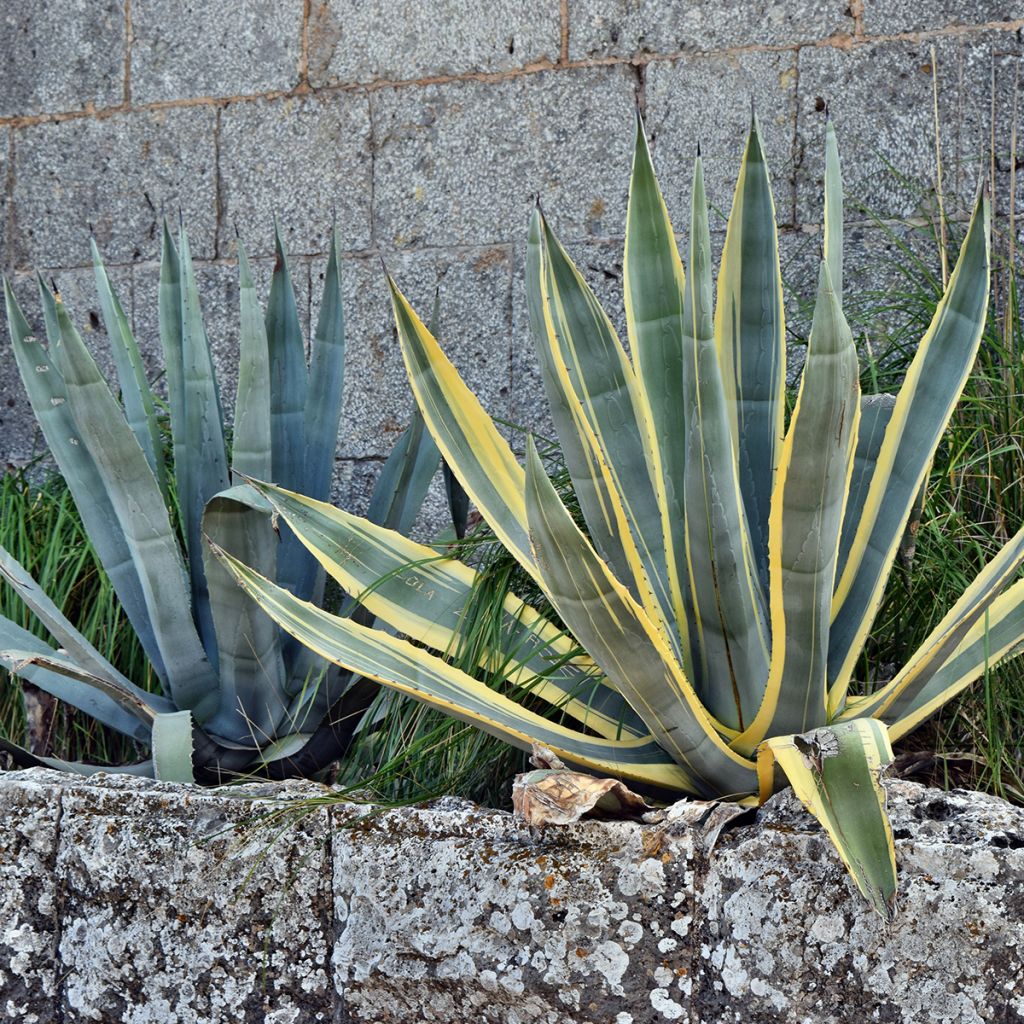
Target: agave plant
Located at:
point(239, 695)
point(731, 563)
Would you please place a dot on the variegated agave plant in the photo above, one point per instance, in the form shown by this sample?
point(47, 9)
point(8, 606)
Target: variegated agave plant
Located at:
point(732, 564)
point(239, 695)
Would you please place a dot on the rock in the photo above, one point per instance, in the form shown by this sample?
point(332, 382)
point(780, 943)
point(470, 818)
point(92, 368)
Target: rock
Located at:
point(150, 902)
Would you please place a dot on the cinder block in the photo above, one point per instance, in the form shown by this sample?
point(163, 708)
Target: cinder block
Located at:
point(224, 48)
point(230, 925)
point(118, 174)
point(28, 899)
point(462, 163)
point(887, 17)
point(61, 56)
point(881, 96)
point(475, 332)
point(622, 28)
point(298, 159)
point(355, 42)
point(707, 101)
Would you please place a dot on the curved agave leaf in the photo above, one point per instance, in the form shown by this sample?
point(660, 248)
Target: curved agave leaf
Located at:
point(405, 479)
point(614, 426)
point(994, 638)
point(728, 604)
point(615, 630)
point(138, 505)
point(401, 666)
point(47, 394)
point(94, 702)
point(653, 289)
point(467, 438)
point(139, 407)
point(807, 508)
point(202, 470)
point(750, 336)
point(424, 595)
point(925, 402)
point(835, 771)
point(894, 700)
point(253, 695)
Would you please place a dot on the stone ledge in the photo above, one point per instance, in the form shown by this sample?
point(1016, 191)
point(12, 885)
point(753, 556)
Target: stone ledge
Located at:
point(128, 900)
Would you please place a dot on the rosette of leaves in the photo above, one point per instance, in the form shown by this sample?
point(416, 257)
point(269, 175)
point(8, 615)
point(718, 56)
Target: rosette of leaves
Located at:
point(238, 695)
point(720, 595)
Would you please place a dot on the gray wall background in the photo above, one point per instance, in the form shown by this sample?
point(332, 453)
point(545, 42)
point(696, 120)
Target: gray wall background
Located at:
point(429, 126)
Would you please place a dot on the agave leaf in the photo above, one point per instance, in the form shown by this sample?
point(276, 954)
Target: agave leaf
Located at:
point(403, 482)
point(128, 698)
point(467, 438)
point(47, 394)
point(79, 649)
point(81, 695)
point(139, 407)
point(835, 771)
point(875, 412)
point(253, 696)
point(807, 509)
point(654, 286)
point(925, 402)
point(616, 631)
point(612, 419)
point(202, 470)
point(172, 747)
point(750, 336)
point(728, 604)
point(138, 505)
point(995, 637)
point(251, 441)
point(169, 310)
point(25, 759)
point(894, 700)
point(408, 669)
point(458, 501)
point(424, 595)
point(326, 383)
point(833, 233)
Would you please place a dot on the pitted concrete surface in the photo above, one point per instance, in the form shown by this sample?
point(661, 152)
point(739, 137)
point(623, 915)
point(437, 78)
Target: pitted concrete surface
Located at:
point(134, 901)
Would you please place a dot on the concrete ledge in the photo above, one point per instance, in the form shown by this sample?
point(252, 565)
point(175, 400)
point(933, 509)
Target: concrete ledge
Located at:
point(126, 900)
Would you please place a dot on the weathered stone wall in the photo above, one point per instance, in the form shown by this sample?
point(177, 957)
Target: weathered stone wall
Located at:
point(429, 126)
point(139, 902)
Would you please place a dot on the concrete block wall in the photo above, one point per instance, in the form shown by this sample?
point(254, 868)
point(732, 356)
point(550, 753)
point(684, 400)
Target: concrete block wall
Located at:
point(428, 128)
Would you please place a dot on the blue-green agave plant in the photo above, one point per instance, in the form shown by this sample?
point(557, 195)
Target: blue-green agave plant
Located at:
point(238, 694)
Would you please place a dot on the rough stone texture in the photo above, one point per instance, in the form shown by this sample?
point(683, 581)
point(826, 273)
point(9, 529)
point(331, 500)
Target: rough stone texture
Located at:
point(475, 331)
point(783, 934)
point(679, 118)
point(60, 56)
point(148, 904)
point(887, 17)
point(319, 146)
point(28, 895)
point(224, 48)
point(118, 175)
point(462, 163)
point(349, 42)
point(598, 28)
